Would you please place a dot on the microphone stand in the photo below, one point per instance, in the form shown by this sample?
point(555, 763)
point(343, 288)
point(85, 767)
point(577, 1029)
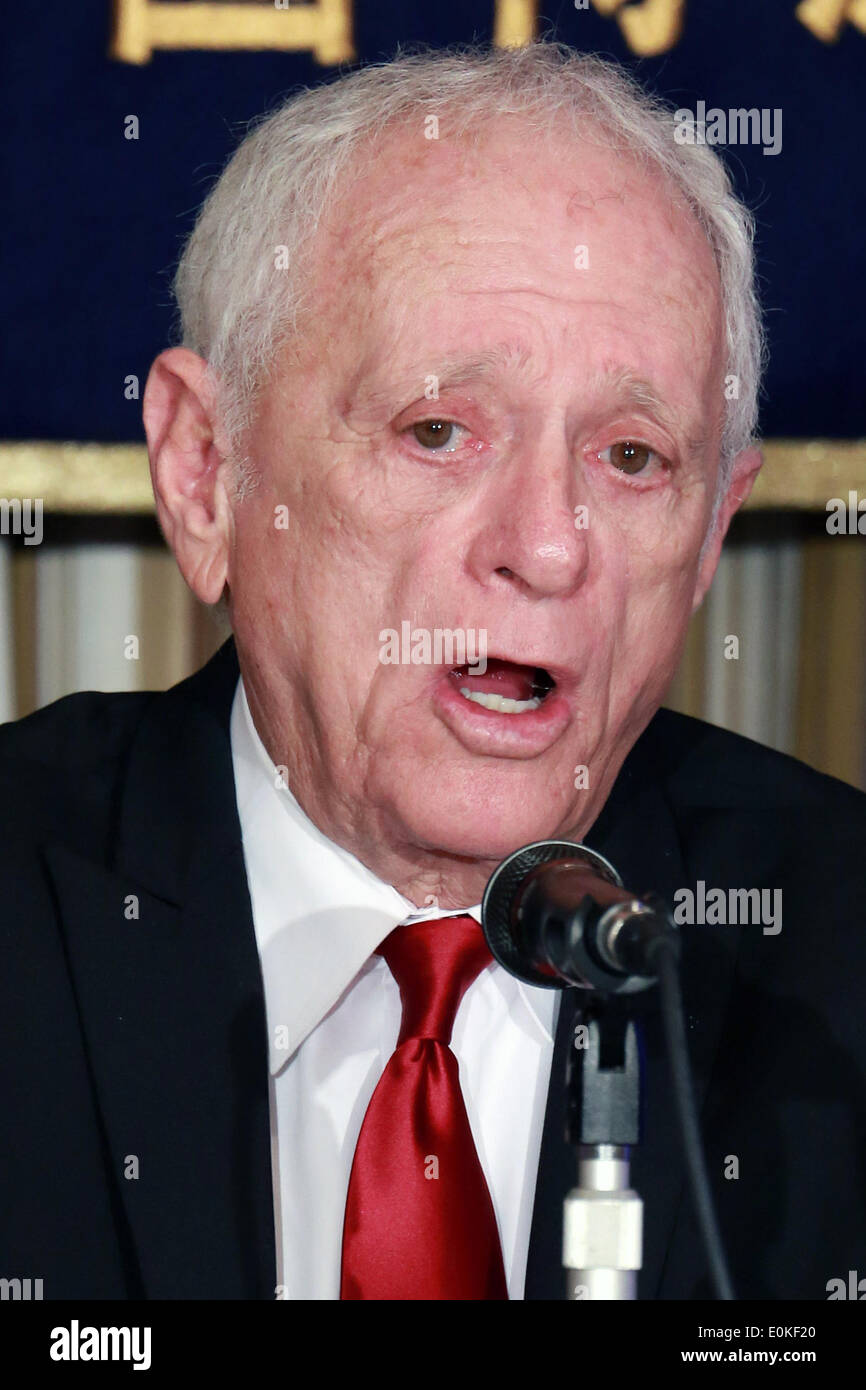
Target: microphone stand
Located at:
point(602, 1247)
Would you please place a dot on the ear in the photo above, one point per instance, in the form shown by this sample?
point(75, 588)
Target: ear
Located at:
point(745, 469)
point(188, 469)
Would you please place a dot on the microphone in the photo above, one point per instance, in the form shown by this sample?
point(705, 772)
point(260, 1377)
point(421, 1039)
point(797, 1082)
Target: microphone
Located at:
point(555, 913)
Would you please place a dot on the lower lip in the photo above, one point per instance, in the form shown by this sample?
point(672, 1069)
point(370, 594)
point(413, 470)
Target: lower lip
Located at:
point(483, 730)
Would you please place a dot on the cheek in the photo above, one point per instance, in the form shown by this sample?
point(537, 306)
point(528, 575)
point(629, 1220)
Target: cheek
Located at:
point(650, 602)
point(659, 606)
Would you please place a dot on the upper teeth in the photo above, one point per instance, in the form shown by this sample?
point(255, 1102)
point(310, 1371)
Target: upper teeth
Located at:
point(500, 703)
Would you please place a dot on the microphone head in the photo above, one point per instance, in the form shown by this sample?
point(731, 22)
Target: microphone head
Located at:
point(502, 895)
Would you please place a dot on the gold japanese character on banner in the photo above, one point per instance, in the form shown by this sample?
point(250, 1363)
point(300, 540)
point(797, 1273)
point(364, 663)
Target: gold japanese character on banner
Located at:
point(827, 18)
point(323, 28)
point(653, 26)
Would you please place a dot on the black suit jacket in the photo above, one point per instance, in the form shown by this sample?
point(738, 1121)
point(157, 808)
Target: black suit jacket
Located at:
point(134, 1035)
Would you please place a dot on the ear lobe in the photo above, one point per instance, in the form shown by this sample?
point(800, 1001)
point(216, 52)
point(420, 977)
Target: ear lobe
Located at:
point(744, 471)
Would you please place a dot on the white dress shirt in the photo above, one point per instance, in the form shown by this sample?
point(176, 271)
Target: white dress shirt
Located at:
point(333, 1011)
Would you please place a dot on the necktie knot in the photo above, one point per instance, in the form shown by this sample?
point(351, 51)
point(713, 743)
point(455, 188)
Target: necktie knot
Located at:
point(434, 963)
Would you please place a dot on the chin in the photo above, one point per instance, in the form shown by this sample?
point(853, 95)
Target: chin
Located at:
point(479, 816)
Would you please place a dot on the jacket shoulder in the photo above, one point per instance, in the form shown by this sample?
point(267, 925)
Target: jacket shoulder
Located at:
point(706, 765)
point(74, 731)
point(63, 768)
point(60, 768)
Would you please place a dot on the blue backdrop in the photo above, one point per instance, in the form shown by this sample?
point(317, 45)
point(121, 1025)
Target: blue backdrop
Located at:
point(94, 222)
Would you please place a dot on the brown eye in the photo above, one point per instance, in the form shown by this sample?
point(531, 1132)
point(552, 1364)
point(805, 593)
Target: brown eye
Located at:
point(435, 434)
point(630, 457)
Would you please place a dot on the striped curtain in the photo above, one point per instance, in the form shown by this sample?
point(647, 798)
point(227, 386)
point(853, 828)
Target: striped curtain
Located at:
point(776, 652)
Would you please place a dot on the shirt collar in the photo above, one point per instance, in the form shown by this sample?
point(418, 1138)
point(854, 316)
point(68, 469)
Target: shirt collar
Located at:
point(318, 912)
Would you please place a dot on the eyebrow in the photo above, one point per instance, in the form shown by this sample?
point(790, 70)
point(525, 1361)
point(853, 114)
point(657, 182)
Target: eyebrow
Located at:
point(449, 372)
point(617, 386)
point(633, 390)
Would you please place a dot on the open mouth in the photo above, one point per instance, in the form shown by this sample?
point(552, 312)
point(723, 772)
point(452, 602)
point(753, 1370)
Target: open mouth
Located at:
point(505, 687)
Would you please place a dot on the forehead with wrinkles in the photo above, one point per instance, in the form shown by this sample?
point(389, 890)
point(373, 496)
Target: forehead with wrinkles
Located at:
point(428, 238)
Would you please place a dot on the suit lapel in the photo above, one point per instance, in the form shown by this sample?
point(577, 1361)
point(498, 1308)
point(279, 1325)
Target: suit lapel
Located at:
point(165, 966)
point(637, 832)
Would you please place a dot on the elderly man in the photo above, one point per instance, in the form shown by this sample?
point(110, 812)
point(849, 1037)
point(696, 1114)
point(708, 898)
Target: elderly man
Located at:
point(470, 346)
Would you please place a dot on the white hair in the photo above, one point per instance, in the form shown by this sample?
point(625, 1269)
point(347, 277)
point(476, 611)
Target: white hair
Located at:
point(237, 309)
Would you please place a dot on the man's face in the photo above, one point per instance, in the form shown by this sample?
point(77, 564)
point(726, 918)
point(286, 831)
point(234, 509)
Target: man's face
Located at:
point(523, 513)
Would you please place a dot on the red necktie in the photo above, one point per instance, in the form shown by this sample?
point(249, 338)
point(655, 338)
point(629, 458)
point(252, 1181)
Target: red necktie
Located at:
point(419, 1219)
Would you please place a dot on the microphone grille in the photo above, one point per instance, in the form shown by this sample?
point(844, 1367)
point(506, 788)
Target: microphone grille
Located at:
point(500, 900)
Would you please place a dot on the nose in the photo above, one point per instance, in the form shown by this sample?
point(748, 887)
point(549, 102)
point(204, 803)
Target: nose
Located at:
point(535, 535)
